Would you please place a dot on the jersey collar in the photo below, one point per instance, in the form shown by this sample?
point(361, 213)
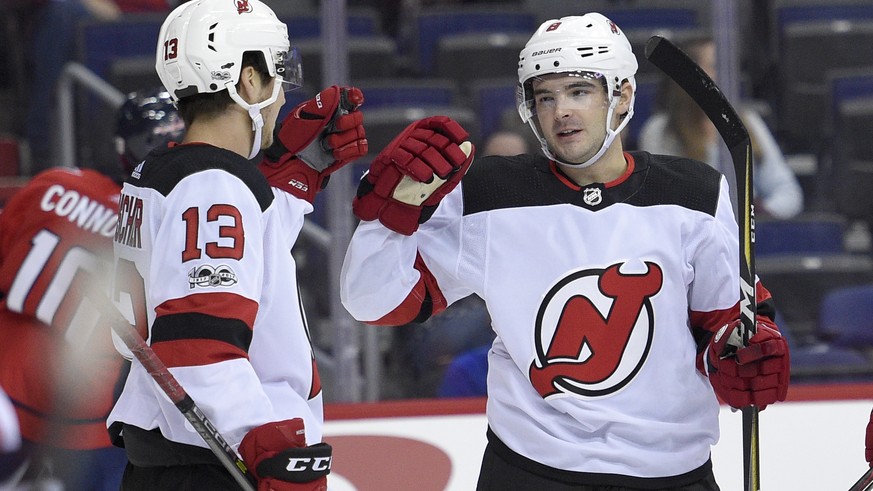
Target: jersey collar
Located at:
point(557, 172)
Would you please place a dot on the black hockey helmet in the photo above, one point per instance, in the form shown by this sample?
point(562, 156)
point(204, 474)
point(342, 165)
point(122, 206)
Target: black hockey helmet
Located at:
point(148, 119)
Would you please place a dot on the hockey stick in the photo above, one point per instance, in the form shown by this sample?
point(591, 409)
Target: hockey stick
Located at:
point(865, 483)
point(694, 81)
point(171, 387)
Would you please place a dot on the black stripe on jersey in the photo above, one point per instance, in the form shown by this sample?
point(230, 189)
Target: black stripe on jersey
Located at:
point(165, 167)
point(497, 182)
point(178, 327)
point(563, 479)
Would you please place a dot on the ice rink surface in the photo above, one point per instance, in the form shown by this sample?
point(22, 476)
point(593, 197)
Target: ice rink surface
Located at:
point(814, 441)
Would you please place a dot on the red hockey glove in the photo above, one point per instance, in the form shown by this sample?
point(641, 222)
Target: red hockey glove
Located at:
point(868, 442)
point(407, 180)
point(753, 375)
point(316, 139)
point(277, 455)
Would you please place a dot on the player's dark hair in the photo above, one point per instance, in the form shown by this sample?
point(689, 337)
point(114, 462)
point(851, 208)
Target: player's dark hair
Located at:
point(215, 103)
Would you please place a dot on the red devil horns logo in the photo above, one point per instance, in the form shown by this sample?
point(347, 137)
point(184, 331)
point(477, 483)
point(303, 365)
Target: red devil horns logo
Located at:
point(242, 6)
point(588, 353)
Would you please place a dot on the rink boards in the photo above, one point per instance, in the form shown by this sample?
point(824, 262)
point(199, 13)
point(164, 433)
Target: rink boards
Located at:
point(813, 441)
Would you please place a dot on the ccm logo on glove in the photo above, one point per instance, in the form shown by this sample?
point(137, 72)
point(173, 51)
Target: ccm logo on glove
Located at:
point(318, 464)
point(279, 458)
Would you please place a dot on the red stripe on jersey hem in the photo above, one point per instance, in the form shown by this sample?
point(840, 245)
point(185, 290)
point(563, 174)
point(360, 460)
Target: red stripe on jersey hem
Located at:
point(315, 388)
point(433, 288)
point(713, 320)
point(410, 308)
point(226, 305)
point(196, 352)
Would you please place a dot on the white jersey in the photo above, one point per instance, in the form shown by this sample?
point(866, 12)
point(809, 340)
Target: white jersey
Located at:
point(204, 266)
point(596, 295)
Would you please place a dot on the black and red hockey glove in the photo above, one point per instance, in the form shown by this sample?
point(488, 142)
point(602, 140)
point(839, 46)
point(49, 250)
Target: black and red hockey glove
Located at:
point(316, 139)
point(753, 375)
point(407, 180)
point(277, 455)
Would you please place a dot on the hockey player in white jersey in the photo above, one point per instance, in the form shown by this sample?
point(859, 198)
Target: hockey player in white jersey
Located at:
point(203, 263)
point(611, 278)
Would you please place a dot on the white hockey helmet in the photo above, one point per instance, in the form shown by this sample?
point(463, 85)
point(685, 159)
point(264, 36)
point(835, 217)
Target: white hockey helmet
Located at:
point(589, 43)
point(201, 45)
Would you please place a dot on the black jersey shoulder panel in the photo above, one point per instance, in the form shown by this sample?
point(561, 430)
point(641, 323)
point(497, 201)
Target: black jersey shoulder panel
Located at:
point(497, 182)
point(677, 181)
point(165, 167)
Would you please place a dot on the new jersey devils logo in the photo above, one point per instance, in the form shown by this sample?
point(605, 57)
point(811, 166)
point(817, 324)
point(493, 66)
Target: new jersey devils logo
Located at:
point(242, 6)
point(580, 350)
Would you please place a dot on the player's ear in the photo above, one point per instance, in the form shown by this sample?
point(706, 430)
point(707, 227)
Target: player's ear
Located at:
point(627, 92)
point(249, 85)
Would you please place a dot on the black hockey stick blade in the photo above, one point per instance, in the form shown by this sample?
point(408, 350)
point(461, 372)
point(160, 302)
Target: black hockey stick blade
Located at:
point(706, 94)
point(865, 483)
point(700, 87)
point(684, 71)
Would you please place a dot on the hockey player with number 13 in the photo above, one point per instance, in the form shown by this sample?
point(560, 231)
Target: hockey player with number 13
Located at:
point(611, 278)
point(203, 256)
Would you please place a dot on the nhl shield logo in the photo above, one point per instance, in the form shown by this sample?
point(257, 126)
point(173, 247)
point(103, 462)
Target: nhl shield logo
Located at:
point(592, 196)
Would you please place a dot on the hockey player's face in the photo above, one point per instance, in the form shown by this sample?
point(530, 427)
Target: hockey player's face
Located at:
point(571, 111)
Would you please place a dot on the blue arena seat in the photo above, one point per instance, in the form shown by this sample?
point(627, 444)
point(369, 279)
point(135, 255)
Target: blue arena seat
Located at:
point(361, 22)
point(644, 106)
point(368, 57)
point(495, 54)
point(813, 233)
point(786, 14)
point(99, 44)
point(817, 361)
point(846, 317)
point(654, 18)
point(466, 374)
point(381, 92)
point(799, 282)
point(808, 51)
point(492, 99)
point(433, 23)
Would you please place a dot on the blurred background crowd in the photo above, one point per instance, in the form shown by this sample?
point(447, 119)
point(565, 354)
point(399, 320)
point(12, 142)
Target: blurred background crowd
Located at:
point(804, 73)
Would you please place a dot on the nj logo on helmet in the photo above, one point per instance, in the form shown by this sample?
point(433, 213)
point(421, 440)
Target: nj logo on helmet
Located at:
point(243, 7)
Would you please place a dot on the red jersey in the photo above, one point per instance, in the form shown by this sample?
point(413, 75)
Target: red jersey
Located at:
point(57, 362)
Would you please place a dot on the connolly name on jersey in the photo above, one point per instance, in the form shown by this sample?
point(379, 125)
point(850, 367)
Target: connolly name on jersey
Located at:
point(79, 209)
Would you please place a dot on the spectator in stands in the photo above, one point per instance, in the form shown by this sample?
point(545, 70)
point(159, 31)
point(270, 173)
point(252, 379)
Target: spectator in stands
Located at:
point(681, 128)
point(466, 375)
point(57, 362)
point(53, 45)
point(424, 352)
point(506, 142)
